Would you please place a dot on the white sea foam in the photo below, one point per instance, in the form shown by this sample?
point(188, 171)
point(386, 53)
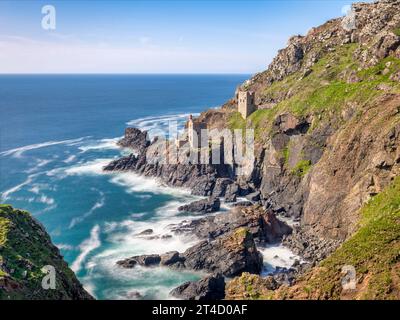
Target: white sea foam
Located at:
point(35, 188)
point(126, 242)
point(97, 205)
point(137, 183)
point(86, 247)
point(6, 194)
point(159, 125)
point(17, 152)
point(45, 199)
point(102, 144)
point(94, 167)
point(171, 208)
point(277, 256)
point(64, 246)
point(70, 159)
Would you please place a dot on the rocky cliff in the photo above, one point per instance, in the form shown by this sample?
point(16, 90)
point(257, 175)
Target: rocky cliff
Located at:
point(327, 135)
point(327, 124)
point(25, 248)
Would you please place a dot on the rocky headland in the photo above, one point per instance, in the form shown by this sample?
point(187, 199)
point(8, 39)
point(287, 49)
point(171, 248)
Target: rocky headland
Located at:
point(327, 134)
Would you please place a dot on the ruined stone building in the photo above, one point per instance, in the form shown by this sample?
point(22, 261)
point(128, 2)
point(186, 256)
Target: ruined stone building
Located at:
point(246, 105)
point(194, 132)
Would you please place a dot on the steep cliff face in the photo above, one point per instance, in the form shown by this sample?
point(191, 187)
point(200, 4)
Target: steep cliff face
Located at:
point(369, 261)
point(25, 248)
point(330, 134)
point(327, 124)
point(327, 134)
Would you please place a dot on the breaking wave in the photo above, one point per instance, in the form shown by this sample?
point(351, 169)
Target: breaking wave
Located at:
point(86, 247)
point(18, 152)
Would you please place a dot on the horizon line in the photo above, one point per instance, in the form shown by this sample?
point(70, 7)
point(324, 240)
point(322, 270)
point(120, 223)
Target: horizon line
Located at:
point(123, 73)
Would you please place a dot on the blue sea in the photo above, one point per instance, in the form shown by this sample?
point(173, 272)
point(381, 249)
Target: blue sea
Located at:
point(56, 134)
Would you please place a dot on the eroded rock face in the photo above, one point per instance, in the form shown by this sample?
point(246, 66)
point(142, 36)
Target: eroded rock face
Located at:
point(360, 162)
point(208, 288)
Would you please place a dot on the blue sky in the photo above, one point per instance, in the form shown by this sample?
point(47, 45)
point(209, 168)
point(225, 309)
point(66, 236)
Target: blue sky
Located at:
point(154, 36)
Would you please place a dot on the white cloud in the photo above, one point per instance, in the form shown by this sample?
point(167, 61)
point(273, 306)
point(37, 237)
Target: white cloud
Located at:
point(23, 55)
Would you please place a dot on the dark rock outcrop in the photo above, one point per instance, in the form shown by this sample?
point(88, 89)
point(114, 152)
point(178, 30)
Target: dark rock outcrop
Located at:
point(134, 139)
point(242, 204)
point(230, 255)
point(170, 258)
point(208, 288)
point(261, 223)
point(143, 260)
point(255, 196)
point(209, 205)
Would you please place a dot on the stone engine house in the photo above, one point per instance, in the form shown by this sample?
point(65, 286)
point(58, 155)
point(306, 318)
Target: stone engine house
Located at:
point(246, 105)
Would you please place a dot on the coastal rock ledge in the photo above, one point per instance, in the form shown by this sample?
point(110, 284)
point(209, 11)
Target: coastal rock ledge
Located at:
point(229, 255)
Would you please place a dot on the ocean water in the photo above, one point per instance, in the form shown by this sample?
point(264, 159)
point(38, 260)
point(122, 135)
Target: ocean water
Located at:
point(56, 134)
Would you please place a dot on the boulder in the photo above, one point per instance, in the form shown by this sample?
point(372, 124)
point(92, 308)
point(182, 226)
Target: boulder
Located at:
point(220, 187)
point(170, 258)
point(209, 205)
point(208, 288)
point(143, 260)
point(231, 192)
point(255, 196)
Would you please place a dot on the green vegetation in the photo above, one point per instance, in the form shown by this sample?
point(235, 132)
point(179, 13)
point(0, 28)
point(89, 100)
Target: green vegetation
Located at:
point(25, 248)
point(396, 31)
point(285, 154)
point(248, 286)
point(301, 168)
point(325, 92)
point(236, 121)
point(374, 251)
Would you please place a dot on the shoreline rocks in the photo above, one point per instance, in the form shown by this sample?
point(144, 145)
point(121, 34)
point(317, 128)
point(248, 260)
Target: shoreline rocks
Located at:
point(261, 223)
point(209, 288)
point(229, 255)
point(209, 205)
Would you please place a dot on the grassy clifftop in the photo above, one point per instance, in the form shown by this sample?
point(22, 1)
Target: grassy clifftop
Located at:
point(332, 85)
point(25, 248)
